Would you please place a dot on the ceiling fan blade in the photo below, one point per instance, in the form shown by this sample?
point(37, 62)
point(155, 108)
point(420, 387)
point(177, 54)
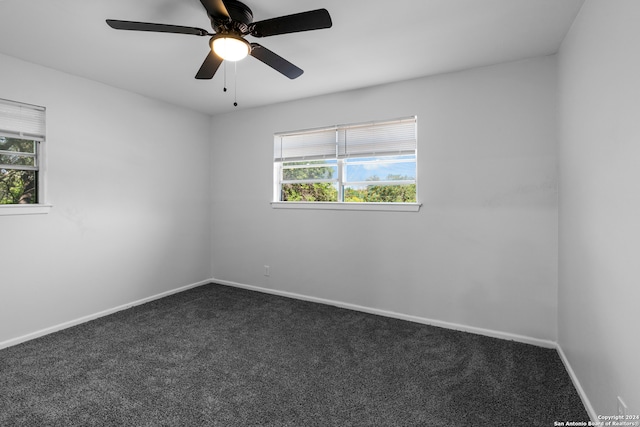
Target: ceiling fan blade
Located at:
point(275, 61)
point(215, 8)
point(209, 66)
point(157, 28)
point(305, 21)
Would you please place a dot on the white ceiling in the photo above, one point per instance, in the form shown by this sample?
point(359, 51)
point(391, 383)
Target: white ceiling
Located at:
point(371, 42)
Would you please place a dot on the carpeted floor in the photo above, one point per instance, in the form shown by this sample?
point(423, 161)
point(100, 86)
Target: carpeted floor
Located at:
point(220, 356)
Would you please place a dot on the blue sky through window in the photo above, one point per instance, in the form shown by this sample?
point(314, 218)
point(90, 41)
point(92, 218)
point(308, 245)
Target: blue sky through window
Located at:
point(365, 169)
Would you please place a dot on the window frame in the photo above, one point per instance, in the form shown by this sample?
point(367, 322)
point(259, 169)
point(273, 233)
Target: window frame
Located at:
point(26, 122)
point(342, 158)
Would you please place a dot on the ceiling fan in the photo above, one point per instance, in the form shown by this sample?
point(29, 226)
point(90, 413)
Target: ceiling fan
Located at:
point(232, 20)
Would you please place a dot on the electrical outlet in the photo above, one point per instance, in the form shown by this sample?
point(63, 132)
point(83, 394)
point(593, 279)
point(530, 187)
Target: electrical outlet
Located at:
point(266, 270)
point(622, 407)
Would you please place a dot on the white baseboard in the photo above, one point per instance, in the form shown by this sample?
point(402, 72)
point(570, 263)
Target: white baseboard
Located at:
point(65, 325)
point(576, 383)
point(447, 325)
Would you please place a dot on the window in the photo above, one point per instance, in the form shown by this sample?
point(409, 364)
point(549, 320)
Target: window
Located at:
point(21, 135)
point(356, 164)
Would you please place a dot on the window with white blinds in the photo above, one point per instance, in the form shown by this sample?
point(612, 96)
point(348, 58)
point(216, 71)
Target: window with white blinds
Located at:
point(23, 121)
point(22, 131)
point(396, 137)
point(391, 137)
point(362, 162)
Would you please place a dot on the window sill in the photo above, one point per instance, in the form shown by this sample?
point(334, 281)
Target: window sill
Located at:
point(334, 206)
point(24, 209)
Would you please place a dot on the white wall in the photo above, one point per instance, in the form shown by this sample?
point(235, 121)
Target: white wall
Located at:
point(130, 184)
point(481, 252)
point(599, 295)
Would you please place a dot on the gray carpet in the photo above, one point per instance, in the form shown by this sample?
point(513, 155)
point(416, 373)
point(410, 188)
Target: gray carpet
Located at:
point(220, 356)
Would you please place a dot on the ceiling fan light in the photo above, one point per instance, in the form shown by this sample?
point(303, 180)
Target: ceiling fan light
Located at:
point(230, 48)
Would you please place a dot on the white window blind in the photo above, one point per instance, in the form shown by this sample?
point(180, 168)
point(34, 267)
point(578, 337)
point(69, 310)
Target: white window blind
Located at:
point(378, 139)
point(392, 137)
point(22, 121)
point(308, 145)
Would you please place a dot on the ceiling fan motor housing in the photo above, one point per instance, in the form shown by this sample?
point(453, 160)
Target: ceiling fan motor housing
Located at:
point(240, 16)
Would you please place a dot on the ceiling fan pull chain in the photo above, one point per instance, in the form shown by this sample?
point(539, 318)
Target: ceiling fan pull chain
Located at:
point(225, 76)
point(235, 85)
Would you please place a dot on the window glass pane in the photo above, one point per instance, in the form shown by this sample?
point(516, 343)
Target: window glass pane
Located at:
point(9, 159)
point(317, 192)
point(381, 193)
point(291, 172)
point(18, 186)
point(396, 168)
point(17, 145)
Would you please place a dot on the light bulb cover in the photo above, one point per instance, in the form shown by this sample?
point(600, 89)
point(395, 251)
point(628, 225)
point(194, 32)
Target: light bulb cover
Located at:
point(230, 47)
